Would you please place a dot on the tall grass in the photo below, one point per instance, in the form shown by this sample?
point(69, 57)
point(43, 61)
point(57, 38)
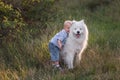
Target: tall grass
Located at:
point(27, 58)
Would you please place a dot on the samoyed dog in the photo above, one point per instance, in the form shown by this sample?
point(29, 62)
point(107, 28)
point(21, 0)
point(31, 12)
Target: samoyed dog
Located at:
point(75, 44)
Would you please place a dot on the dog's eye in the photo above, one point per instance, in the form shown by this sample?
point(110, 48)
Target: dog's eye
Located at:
point(75, 28)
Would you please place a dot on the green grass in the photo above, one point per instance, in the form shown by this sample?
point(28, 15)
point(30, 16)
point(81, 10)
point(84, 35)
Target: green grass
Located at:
point(27, 58)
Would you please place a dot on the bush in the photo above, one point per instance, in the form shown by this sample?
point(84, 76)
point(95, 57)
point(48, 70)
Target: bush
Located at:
point(10, 21)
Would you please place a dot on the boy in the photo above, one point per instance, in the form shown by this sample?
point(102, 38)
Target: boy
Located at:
point(57, 42)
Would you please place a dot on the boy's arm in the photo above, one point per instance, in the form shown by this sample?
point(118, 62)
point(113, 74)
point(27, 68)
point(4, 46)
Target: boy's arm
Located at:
point(60, 44)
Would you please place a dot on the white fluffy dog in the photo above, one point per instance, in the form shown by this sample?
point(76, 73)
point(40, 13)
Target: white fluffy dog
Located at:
point(75, 44)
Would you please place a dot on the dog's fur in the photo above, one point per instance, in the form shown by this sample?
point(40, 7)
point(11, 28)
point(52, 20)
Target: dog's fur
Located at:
point(75, 44)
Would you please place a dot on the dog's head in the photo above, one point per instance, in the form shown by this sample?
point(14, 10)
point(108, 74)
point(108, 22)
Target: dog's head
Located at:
point(77, 29)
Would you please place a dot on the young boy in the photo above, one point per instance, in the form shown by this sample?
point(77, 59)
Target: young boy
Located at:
point(57, 42)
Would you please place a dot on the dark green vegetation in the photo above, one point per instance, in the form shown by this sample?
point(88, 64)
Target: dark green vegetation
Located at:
point(26, 26)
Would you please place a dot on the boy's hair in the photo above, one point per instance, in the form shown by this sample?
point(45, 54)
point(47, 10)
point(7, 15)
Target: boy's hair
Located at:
point(67, 21)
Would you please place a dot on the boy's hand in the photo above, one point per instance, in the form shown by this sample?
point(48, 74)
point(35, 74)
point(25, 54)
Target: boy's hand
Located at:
point(60, 44)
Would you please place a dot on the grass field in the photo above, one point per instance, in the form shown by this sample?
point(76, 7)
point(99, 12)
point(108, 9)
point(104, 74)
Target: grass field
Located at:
point(27, 58)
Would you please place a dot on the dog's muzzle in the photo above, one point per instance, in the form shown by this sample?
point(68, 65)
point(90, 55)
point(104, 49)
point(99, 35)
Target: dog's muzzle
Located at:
point(78, 34)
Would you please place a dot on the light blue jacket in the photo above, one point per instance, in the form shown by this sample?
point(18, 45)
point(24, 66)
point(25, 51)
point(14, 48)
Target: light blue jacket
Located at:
point(62, 35)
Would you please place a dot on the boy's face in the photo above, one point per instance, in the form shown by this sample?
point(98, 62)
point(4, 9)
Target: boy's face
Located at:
point(67, 27)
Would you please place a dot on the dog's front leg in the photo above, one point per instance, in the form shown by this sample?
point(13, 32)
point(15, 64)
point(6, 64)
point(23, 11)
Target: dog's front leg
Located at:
point(70, 62)
point(70, 66)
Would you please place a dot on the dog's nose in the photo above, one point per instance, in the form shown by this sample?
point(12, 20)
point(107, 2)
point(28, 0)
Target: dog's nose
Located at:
point(78, 32)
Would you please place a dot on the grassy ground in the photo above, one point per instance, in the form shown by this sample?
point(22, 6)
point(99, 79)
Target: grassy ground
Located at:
point(28, 57)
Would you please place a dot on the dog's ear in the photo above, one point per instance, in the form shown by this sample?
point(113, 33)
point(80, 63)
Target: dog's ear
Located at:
point(73, 21)
point(82, 21)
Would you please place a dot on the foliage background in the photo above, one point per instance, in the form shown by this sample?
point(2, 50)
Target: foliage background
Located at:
point(26, 26)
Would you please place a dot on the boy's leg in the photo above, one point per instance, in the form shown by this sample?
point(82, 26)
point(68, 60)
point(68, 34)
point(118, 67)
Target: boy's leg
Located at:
point(54, 53)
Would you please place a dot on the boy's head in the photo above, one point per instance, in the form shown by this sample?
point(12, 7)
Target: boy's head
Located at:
point(67, 25)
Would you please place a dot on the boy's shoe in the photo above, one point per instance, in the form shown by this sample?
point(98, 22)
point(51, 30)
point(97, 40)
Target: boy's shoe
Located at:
point(57, 67)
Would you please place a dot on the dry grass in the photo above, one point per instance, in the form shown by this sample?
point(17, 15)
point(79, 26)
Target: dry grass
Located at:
point(27, 58)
